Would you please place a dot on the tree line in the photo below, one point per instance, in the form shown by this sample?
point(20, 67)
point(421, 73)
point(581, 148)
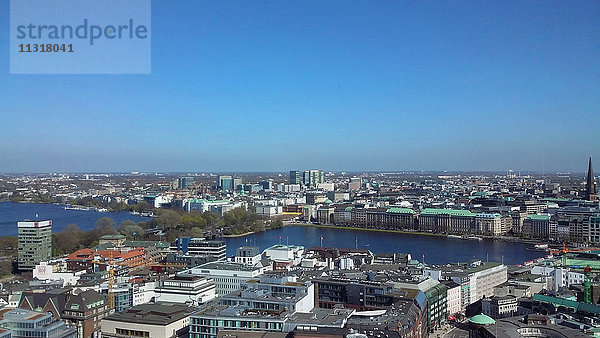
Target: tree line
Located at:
point(169, 225)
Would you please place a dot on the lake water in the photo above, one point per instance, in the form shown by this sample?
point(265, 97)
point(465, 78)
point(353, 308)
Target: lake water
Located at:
point(11, 213)
point(437, 250)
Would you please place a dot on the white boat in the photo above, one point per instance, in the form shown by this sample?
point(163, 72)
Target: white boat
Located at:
point(454, 236)
point(70, 207)
point(475, 238)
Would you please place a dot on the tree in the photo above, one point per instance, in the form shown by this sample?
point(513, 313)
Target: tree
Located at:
point(168, 219)
point(125, 224)
point(196, 232)
point(277, 224)
point(105, 226)
point(71, 228)
point(132, 230)
point(69, 240)
point(143, 206)
point(8, 245)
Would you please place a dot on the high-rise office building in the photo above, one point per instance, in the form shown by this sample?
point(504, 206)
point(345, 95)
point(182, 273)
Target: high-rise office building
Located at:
point(226, 183)
point(295, 177)
point(35, 243)
point(237, 182)
point(590, 186)
point(313, 177)
point(185, 182)
point(355, 183)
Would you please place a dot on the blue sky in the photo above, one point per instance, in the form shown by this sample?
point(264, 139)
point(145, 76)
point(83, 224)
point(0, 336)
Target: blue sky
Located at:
point(337, 85)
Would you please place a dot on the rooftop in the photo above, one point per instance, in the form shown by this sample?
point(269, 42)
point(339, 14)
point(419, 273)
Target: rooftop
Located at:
point(153, 314)
point(482, 319)
point(451, 212)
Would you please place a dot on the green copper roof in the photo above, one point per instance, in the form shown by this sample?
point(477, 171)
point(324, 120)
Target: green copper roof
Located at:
point(195, 200)
point(452, 212)
point(539, 217)
point(112, 237)
point(482, 319)
point(577, 306)
point(400, 210)
point(553, 199)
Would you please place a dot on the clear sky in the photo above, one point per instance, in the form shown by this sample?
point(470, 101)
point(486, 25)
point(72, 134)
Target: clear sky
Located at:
point(336, 85)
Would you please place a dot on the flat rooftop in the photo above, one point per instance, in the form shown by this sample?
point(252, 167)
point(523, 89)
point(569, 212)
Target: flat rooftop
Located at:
point(153, 314)
point(223, 265)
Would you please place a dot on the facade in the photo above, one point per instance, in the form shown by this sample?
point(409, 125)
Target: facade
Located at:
point(249, 255)
point(325, 214)
point(479, 280)
point(269, 210)
point(295, 177)
point(537, 226)
point(200, 247)
point(35, 243)
point(185, 182)
point(26, 323)
point(499, 306)
point(451, 221)
point(84, 311)
point(204, 205)
point(113, 241)
point(225, 183)
point(149, 320)
point(453, 299)
point(355, 183)
point(210, 322)
point(595, 229)
point(186, 289)
point(578, 220)
point(284, 256)
point(85, 259)
point(436, 294)
point(490, 224)
point(355, 294)
point(227, 276)
point(313, 177)
point(273, 293)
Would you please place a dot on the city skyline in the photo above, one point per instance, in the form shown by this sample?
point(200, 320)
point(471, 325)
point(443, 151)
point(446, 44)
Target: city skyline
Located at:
point(247, 87)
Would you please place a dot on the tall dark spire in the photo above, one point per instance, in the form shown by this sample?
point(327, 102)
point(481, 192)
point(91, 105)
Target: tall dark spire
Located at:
point(590, 187)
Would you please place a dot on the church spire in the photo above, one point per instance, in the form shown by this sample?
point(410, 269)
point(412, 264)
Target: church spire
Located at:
point(590, 187)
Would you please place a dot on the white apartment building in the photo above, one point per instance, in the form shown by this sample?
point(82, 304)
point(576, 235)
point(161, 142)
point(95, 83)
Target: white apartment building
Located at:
point(186, 289)
point(227, 276)
point(560, 277)
point(479, 281)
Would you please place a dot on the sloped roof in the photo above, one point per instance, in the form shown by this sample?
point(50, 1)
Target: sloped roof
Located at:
point(482, 319)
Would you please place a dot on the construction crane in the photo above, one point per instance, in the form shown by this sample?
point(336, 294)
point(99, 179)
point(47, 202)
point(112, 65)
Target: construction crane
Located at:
point(564, 252)
point(111, 282)
point(587, 271)
point(587, 285)
point(111, 277)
